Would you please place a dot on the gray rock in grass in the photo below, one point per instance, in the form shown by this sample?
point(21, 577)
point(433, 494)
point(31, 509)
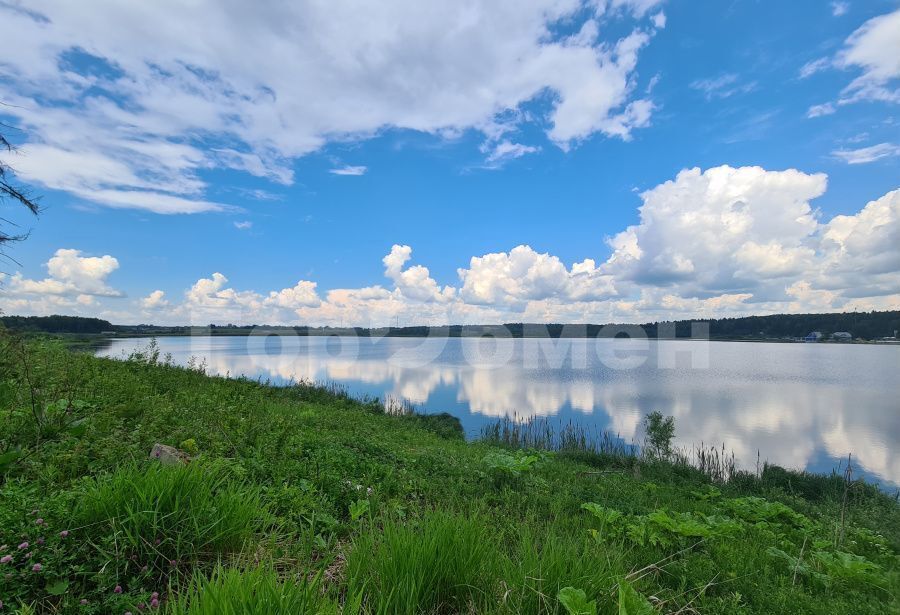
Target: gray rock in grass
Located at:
point(168, 455)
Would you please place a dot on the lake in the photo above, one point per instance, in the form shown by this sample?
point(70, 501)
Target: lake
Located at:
point(797, 405)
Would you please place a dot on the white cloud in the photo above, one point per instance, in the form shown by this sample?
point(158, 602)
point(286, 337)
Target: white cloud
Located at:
point(839, 8)
point(74, 282)
point(154, 301)
point(715, 242)
point(705, 232)
point(820, 110)
point(637, 8)
point(510, 280)
point(243, 225)
point(725, 241)
point(414, 283)
point(814, 66)
point(723, 86)
point(71, 274)
point(349, 170)
point(506, 150)
point(874, 49)
point(126, 105)
point(861, 253)
point(303, 294)
point(863, 155)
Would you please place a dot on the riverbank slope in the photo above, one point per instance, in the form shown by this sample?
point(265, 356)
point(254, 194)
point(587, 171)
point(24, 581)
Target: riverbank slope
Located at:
point(300, 499)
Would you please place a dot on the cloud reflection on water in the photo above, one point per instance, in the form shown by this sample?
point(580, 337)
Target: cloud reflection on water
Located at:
point(800, 406)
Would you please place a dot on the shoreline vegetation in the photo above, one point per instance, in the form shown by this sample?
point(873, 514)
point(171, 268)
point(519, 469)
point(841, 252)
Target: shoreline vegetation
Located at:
point(862, 327)
point(302, 499)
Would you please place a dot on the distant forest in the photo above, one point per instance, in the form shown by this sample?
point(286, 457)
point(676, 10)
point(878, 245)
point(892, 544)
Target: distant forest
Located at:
point(56, 324)
point(863, 325)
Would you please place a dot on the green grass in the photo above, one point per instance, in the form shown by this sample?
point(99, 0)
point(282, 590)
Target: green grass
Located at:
point(159, 516)
point(440, 563)
point(254, 590)
point(304, 500)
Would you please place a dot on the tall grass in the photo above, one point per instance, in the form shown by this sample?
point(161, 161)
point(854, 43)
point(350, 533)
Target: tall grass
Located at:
point(440, 563)
point(542, 562)
point(256, 591)
point(543, 434)
point(601, 447)
point(171, 513)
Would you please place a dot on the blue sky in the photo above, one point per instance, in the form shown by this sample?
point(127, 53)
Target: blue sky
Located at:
point(455, 164)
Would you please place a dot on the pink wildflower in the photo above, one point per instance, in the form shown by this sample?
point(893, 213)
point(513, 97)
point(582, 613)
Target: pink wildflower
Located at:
point(39, 521)
point(154, 603)
point(23, 546)
point(36, 568)
point(6, 559)
point(64, 534)
point(118, 589)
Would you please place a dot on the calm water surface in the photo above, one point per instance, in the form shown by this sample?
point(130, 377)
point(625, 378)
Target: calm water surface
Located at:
point(799, 405)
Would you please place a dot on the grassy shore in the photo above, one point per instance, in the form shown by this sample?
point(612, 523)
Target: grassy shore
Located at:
point(302, 500)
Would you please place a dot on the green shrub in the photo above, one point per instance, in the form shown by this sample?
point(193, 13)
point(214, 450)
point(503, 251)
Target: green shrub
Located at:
point(660, 430)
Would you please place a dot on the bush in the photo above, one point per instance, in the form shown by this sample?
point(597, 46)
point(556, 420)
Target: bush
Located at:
point(660, 430)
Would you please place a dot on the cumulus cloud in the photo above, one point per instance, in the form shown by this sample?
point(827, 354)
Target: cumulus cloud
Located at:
point(861, 253)
point(522, 275)
point(708, 243)
point(71, 274)
point(74, 282)
point(124, 109)
point(302, 295)
point(154, 301)
point(414, 282)
point(720, 231)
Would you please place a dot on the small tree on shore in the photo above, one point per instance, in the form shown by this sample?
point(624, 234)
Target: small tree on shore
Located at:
point(659, 430)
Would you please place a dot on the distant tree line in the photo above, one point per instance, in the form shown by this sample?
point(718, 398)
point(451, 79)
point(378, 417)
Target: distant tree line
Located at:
point(56, 324)
point(864, 325)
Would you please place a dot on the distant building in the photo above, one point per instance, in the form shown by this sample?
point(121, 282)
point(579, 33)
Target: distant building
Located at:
point(815, 336)
point(841, 336)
